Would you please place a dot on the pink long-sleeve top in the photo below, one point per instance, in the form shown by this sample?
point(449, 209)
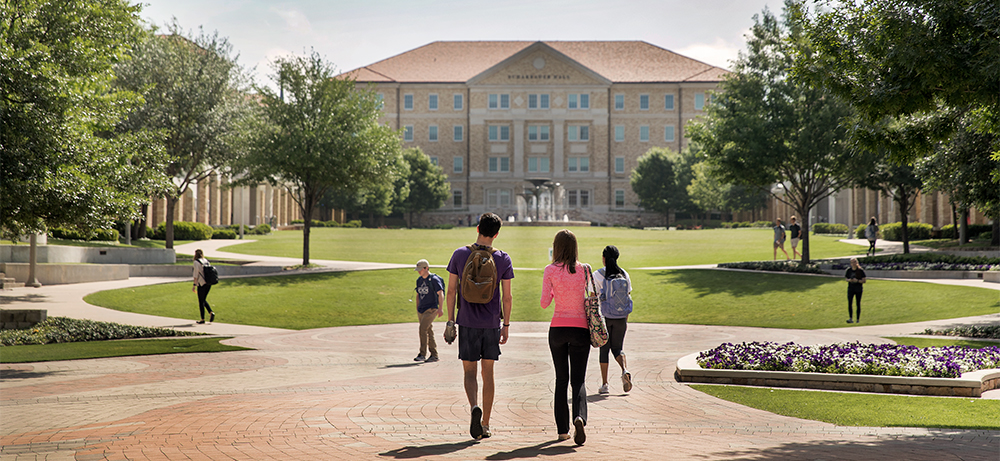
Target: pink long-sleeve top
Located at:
point(567, 289)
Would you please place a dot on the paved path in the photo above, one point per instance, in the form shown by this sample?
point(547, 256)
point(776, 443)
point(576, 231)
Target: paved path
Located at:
point(354, 393)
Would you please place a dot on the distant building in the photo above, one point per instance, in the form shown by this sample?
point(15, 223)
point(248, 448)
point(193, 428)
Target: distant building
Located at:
point(574, 117)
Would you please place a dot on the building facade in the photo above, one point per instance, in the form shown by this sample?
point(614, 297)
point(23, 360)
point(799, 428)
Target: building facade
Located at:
point(540, 130)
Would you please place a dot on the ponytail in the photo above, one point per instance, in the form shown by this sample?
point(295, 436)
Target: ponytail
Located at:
point(611, 262)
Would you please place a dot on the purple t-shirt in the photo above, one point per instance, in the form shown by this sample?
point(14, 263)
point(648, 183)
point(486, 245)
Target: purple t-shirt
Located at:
point(475, 315)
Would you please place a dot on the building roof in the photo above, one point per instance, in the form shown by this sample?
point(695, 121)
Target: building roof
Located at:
point(617, 61)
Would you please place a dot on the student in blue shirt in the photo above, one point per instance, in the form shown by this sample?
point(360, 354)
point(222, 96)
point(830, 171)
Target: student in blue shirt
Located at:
point(430, 298)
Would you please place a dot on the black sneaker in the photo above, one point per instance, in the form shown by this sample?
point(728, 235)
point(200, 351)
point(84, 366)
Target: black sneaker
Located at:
point(200, 322)
point(432, 358)
point(211, 317)
point(476, 428)
point(850, 321)
point(579, 436)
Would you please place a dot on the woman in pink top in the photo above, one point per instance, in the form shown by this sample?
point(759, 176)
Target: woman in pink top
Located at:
point(569, 336)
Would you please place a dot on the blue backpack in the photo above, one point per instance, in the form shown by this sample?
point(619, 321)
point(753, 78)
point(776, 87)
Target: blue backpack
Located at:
point(616, 303)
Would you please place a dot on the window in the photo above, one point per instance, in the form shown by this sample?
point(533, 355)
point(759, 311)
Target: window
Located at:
point(408, 133)
point(456, 164)
point(538, 132)
point(579, 133)
point(538, 101)
point(619, 102)
point(499, 101)
point(644, 133)
point(499, 164)
point(432, 133)
point(538, 164)
point(434, 160)
point(668, 133)
point(643, 102)
point(619, 198)
point(585, 198)
point(407, 102)
point(456, 198)
point(579, 101)
point(499, 133)
point(381, 100)
point(458, 132)
point(578, 198)
point(619, 133)
point(457, 102)
point(432, 102)
point(498, 197)
point(578, 164)
point(571, 198)
point(619, 164)
point(699, 101)
point(668, 102)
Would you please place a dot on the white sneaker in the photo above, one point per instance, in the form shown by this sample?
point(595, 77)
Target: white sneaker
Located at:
point(603, 389)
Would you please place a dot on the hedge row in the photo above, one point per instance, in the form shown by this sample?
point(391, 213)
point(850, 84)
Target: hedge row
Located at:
point(829, 228)
point(737, 225)
point(931, 258)
point(315, 223)
point(103, 235)
point(775, 266)
point(67, 330)
point(976, 231)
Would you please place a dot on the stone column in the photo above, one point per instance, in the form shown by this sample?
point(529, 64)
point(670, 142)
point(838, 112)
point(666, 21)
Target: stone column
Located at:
point(201, 201)
point(225, 202)
point(215, 200)
point(268, 204)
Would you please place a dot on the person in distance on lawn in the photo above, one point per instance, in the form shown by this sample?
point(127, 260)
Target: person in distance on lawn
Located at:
point(201, 286)
point(430, 298)
point(855, 288)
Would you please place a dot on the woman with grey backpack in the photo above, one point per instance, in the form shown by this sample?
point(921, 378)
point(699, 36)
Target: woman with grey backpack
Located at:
point(616, 304)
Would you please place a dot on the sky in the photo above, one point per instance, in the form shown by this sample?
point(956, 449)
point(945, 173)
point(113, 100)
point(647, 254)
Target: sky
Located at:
point(355, 33)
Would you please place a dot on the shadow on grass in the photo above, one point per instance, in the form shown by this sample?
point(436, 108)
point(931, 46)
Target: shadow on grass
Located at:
point(285, 281)
point(740, 284)
point(938, 444)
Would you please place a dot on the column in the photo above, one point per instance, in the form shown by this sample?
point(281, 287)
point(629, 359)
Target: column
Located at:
point(201, 200)
point(215, 200)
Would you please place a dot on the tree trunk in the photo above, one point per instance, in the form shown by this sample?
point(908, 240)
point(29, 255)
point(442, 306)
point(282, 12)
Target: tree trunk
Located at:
point(903, 201)
point(169, 228)
point(306, 228)
point(995, 239)
point(963, 230)
point(804, 235)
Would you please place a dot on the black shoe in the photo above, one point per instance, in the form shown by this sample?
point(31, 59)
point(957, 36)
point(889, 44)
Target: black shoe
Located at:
point(211, 317)
point(432, 358)
point(579, 436)
point(200, 322)
point(476, 428)
point(850, 321)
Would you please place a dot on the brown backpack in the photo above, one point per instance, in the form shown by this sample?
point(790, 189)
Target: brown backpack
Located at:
point(479, 278)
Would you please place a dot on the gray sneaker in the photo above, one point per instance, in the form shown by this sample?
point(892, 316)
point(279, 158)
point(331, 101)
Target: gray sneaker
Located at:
point(432, 358)
point(626, 381)
point(419, 358)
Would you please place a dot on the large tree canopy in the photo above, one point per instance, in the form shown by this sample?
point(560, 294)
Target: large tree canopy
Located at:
point(195, 97)
point(766, 129)
point(426, 183)
point(60, 161)
point(320, 133)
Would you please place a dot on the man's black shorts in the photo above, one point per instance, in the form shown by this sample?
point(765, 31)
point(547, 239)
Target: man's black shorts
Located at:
point(478, 343)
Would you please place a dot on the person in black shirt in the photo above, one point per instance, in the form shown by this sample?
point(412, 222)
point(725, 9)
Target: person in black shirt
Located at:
point(855, 287)
point(795, 230)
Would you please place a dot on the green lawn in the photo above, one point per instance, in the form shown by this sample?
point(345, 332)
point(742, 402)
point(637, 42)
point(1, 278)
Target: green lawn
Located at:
point(938, 342)
point(119, 348)
point(866, 410)
point(529, 246)
point(706, 297)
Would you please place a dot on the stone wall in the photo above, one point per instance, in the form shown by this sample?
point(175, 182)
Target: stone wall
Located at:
point(19, 319)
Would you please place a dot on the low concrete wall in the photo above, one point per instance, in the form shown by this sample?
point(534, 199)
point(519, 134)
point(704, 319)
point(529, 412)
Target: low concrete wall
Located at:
point(971, 384)
point(991, 276)
point(93, 255)
point(60, 274)
point(19, 319)
point(910, 274)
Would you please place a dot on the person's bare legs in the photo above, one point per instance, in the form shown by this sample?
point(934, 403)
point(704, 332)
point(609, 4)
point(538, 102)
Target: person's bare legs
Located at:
point(471, 383)
point(488, 389)
point(604, 368)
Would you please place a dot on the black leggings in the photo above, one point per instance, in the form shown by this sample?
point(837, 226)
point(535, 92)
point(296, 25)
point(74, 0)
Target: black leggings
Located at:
point(616, 337)
point(871, 247)
point(851, 294)
point(570, 347)
point(203, 300)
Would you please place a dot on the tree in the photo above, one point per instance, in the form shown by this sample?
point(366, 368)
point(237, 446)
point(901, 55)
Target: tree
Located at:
point(320, 133)
point(765, 128)
point(427, 185)
point(705, 191)
point(61, 162)
point(195, 95)
point(655, 181)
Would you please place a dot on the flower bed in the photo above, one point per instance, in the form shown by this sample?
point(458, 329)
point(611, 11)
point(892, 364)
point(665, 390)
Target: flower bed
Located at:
point(920, 266)
point(775, 266)
point(852, 358)
point(970, 331)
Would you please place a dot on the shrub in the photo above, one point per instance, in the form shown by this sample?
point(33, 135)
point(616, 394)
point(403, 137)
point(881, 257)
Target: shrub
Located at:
point(355, 223)
point(975, 231)
point(223, 234)
point(894, 231)
point(103, 235)
point(934, 258)
point(775, 266)
point(763, 224)
point(297, 221)
point(736, 225)
point(67, 330)
point(829, 228)
point(452, 226)
point(859, 232)
point(968, 331)
point(261, 229)
point(184, 231)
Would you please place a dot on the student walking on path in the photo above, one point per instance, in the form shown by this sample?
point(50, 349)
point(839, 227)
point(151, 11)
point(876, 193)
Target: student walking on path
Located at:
point(201, 286)
point(779, 240)
point(480, 332)
point(855, 288)
point(569, 335)
point(796, 233)
point(430, 298)
point(616, 304)
point(871, 233)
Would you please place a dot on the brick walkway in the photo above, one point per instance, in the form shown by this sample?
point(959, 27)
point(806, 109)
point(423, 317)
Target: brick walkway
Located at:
point(355, 393)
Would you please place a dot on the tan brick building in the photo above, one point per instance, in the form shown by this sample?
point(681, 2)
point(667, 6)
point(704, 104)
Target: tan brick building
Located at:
point(574, 116)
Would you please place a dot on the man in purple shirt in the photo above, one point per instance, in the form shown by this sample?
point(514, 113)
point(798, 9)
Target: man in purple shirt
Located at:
point(480, 332)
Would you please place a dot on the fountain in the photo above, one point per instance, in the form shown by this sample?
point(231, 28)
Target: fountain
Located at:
point(541, 196)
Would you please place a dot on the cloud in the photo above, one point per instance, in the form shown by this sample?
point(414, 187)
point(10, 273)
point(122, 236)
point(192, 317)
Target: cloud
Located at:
point(295, 20)
point(719, 53)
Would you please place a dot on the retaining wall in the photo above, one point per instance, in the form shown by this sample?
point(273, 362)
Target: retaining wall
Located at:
point(971, 384)
point(60, 274)
point(19, 319)
point(92, 255)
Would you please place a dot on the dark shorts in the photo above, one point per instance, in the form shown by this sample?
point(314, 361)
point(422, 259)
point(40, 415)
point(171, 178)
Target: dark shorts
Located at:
point(478, 343)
